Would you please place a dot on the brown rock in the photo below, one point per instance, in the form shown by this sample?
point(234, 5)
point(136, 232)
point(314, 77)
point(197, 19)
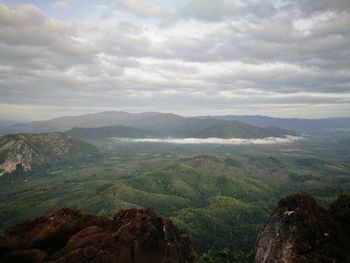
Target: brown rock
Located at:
point(340, 209)
point(134, 235)
point(299, 230)
point(24, 256)
point(6, 244)
point(52, 231)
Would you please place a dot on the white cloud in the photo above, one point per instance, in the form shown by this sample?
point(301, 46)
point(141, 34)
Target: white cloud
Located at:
point(257, 62)
point(218, 10)
point(147, 9)
point(28, 26)
point(231, 141)
point(62, 5)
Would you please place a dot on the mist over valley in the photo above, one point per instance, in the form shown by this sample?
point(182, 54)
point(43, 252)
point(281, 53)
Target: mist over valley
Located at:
point(189, 131)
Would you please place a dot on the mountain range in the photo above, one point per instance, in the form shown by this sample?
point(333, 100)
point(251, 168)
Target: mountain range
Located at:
point(148, 124)
point(168, 124)
point(295, 124)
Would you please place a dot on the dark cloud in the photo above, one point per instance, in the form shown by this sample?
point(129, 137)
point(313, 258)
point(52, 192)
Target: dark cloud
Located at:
point(308, 7)
point(218, 10)
point(221, 56)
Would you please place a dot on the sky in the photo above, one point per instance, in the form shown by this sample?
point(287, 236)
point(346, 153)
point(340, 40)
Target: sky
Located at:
point(281, 58)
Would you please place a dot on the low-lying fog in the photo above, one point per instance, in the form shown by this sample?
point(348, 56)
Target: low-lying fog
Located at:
point(268, 140)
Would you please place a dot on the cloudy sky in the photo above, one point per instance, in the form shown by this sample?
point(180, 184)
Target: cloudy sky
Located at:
point(192, 57)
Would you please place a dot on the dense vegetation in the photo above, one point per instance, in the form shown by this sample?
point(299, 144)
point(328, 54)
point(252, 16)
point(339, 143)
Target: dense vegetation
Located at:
point(29, 152)
point(92, 134)
point(220, 194)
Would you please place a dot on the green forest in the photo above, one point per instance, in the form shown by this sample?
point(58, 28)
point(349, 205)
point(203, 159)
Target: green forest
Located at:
point(221, 196)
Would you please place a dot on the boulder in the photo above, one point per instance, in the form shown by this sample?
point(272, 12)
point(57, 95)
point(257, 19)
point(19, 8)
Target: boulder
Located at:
point(70, 236)
point(299, 230)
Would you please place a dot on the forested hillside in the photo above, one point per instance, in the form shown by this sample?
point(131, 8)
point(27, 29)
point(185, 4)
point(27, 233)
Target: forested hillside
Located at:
point(25, 152)
point(222, 201)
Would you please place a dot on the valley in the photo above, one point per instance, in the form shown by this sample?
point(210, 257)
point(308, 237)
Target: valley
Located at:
point(174, 131)
point(221, 194)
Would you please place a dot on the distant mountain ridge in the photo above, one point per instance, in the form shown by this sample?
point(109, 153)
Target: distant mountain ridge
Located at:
point(289, 123)
point(107, 132)
point(30, 151)
point(154, 121)
point(102, 119)
point(151, 124)
point(183, 129)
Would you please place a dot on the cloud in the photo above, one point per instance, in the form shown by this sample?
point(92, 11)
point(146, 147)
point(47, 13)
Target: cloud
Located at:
point(312, 6)
point(241, 58)
point(147, 9)
point(231, 141)
point(62, 6)
point(28, 26)
point(217, 10)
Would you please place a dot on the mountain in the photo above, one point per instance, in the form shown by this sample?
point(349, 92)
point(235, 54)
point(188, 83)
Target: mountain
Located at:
point(207, 128)
point(219, 199)
point(68, 235)
point(171, 124)
point(149, 124)
point(299, 230)
point(290, 123)
point(183, 128)
point(90, 134)
point(7, 126)
point(147, 120)
point(30, 151)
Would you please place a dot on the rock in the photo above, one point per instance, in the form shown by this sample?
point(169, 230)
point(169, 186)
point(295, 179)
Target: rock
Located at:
point(53, 231)
point(340, 209)
point(6, 244)
point(24, 256)
point(67, 235)
point(23, 153)
point(299, 230)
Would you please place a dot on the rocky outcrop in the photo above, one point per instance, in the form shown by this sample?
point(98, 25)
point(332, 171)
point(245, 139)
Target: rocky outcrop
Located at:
point(30, 151)
point(70, 236)
point(299, 230)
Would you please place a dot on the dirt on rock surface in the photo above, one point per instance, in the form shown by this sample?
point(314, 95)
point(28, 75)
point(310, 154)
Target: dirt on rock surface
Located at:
point(70, 236)
point(300, 231)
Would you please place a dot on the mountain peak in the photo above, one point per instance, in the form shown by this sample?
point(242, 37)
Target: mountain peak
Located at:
point(23, 151)
point(68, 235)
point(299, 230)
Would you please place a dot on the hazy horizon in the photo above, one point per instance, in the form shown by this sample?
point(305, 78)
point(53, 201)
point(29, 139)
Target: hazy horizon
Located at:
point(24, 119)
point(275, 58)
point(195, 130)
